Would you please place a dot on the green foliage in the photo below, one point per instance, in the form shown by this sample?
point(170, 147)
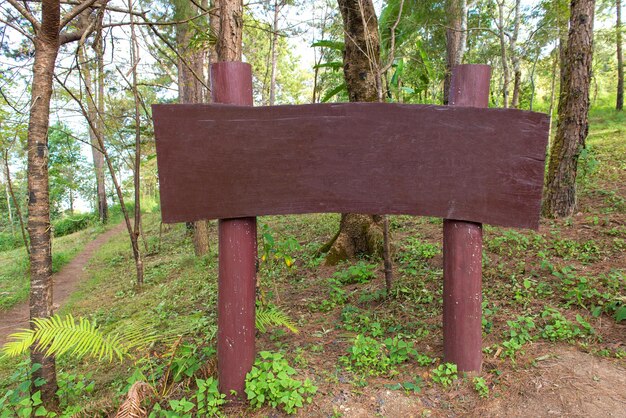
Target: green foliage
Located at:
point(10, 241)
point(209, 398)
point(444, 374)
point(415, 386)
point(558, 328)
point(519, 333)
point(336, 296)
point(360, 272)
point(368, 356)
point(480, 385)
point(415, 253)
point(69, 225)
point(17, 401)
point(399, 350)
point(274, 250)
point(58, 336)
point(271, 382)
point(270, 315)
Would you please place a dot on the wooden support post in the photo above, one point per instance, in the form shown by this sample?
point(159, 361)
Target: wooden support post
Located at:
point(231, 83)
point(462, 248)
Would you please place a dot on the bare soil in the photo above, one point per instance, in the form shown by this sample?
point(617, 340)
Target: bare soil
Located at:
point(65, 282)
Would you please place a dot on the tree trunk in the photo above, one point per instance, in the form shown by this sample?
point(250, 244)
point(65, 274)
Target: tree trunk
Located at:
point(515, 60)
point(572, 128)
point(359, 234)
point(506, 76)
point(229, 42)
point(8, 197)
point(619, 104)
point(95, 116)
point(274, 51)
point(191, 90)
point(46, 49)
point(103, 207)
point(18, 210)
point(455, 40)
point(134, 60)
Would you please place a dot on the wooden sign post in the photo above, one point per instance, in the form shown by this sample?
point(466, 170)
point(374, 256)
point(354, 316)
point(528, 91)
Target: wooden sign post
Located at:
point(463, 163)
point(463, 249)
point(231, 83)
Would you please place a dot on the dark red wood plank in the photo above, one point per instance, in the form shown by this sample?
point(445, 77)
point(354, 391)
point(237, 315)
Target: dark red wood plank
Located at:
point(221, 161)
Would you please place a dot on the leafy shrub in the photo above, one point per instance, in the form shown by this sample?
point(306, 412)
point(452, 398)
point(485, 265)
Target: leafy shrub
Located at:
point(18, 402)
point(270, 382)
point(71, 224)
point(399, 349)
point(10, 241)
point(368, 356)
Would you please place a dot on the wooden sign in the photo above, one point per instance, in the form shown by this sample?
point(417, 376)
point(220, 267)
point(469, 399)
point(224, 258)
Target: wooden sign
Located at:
point(472, 164)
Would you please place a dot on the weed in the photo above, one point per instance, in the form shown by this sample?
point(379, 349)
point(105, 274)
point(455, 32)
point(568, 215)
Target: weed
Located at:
point(368, 356)
point(519, 333)
point(208, 397)
point(360, 272)
point(480, 385)
point(399, 350)
point(271, 382)
point(444, 374)
point(559, 328)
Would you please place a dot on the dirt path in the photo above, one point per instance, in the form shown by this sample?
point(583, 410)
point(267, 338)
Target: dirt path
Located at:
point(66, 282)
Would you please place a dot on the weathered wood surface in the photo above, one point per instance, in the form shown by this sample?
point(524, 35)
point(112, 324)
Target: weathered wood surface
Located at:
point(223, 161)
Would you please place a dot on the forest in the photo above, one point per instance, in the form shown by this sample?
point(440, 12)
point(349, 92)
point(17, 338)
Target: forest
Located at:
point(107, 310)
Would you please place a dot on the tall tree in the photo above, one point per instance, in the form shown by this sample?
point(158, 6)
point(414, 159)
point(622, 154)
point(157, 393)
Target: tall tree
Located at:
point(191, 89)
point(48, 34)
point(456, 13)
point(515, 56)
point(560, 192)
point(619, 105)
point(359, 234)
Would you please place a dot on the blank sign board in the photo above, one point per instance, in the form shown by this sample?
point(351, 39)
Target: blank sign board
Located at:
point(471, 164)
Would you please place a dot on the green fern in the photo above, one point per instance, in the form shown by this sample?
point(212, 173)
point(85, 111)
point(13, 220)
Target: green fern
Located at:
point(58, 336)
point(272, 316)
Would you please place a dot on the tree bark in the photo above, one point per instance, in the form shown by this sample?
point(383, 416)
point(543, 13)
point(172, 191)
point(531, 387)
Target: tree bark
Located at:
point(103, 208)
point(515, 60)
point(18, 210)
point(455, 40)
point(9, 208)
point(134, 60)
point(274, 51)
point(191, 90)
point(506, 76)
point(95, 116)
point(47, 44)
point(572, 128)
point(359, 234)
point(229, 42)
point(619, 104)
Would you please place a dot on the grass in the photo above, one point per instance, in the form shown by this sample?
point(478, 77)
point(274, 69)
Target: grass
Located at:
point(14, 279)
point(545, 290)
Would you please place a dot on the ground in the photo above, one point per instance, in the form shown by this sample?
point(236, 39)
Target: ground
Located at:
point(552, 344)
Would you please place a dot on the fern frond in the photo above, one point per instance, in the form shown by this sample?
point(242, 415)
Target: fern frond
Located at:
point(131, 407)
point(272, 316)
point(58, 336)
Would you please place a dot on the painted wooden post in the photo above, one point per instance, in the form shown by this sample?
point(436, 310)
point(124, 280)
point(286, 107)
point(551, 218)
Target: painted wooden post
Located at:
point(462, 248)
point(231, 83)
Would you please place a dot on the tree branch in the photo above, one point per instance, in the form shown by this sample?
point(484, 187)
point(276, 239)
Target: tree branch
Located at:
point(24, 12)
point(76, 10)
